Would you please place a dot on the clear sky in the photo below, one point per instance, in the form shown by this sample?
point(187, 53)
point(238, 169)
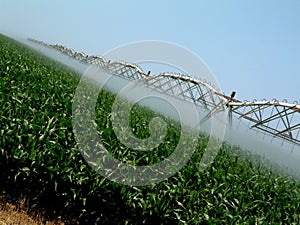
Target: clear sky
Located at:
point(252, 47)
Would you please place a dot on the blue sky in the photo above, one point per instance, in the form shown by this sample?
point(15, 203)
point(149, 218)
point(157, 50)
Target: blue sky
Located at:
point(252, 47)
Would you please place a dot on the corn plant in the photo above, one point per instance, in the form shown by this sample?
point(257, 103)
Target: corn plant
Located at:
point(39, 160)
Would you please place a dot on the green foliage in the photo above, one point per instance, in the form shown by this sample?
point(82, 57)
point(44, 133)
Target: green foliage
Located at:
point(39, 159)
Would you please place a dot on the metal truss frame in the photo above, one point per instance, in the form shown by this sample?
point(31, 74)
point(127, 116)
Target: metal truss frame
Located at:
point(279, 119)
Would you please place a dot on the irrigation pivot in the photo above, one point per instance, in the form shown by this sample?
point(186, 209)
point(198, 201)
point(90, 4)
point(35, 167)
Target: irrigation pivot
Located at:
point(276, 118)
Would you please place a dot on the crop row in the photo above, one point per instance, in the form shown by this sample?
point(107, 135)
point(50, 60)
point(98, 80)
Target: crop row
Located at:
point(39, 160)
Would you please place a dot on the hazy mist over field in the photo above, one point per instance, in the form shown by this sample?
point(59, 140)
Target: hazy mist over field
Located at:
point(286, 155)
